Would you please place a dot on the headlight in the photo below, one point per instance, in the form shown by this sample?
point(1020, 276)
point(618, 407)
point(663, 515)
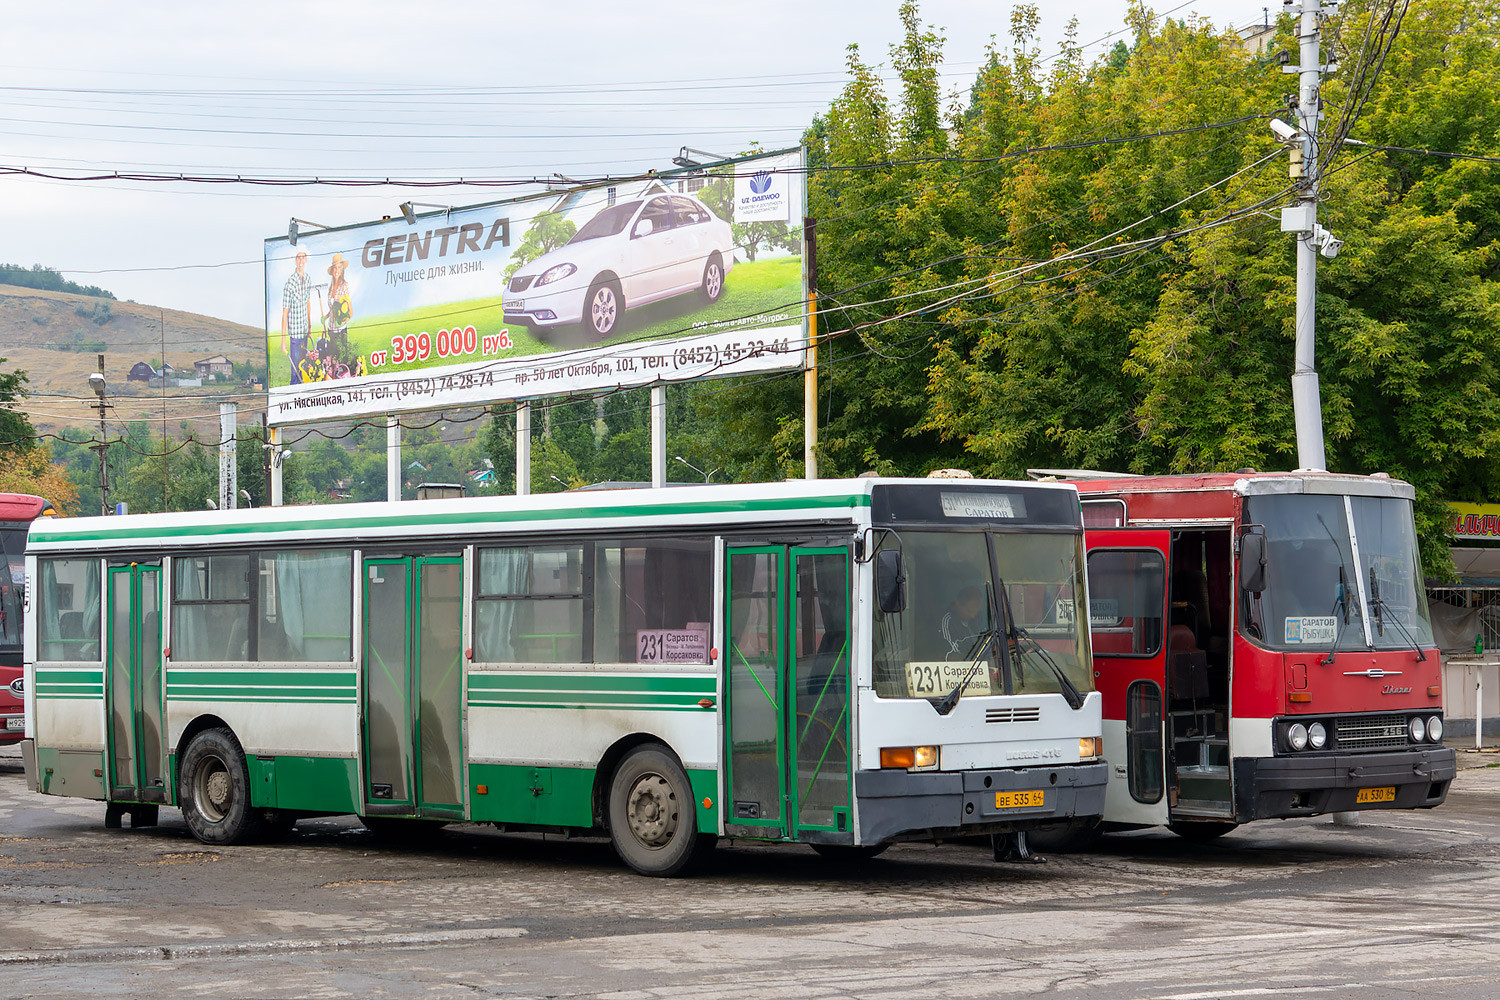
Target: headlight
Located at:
point(1418, 729)
point(1297, 736)
point(556, 272)
point(1317, 736)
point(1435, 729)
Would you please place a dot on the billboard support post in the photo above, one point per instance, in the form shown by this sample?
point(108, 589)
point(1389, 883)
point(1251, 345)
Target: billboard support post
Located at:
point(658, 435)
point(523, 449)
point(393, 457)
point(228, 464)
point(273, 442)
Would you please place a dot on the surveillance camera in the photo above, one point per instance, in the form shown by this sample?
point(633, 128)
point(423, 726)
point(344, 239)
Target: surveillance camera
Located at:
point(1331, 247)
point(1283, 131)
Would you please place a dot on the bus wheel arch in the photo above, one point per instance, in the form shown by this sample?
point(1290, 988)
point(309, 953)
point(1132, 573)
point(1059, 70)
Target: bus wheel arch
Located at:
point(213, 789)
point(651, 815)
point(604, 773)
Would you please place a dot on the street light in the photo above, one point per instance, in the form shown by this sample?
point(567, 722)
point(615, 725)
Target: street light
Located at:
point(97, 383)
point(707, 476)
point(559, 482)
point(409, 210)
point(682, 159)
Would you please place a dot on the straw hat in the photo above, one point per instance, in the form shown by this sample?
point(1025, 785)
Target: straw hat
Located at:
point(338, 262)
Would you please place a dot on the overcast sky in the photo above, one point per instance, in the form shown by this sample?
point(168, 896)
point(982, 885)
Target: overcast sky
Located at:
point(382, 89)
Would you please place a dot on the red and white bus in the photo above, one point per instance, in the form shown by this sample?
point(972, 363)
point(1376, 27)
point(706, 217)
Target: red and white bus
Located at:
point(1263, 648)
point(17, 511)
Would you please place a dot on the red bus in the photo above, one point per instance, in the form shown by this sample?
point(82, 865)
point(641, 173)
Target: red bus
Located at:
point(17, 511)
point(1263, 648)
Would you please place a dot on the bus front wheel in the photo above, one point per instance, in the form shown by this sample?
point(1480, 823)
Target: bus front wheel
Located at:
point(653, 823)
point(215, 791)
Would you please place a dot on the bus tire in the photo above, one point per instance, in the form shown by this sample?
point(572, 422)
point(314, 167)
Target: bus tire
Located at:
point(849, 853)
point(1200, 833)
point(653, 822)
point(215, 791)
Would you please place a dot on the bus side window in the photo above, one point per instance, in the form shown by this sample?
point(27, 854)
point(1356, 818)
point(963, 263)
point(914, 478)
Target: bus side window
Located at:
point(1127, 594)
point(652, 600)
point(69, 610)
point(529, 607)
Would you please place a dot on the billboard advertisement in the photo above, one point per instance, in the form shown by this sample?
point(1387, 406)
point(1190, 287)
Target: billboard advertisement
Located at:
point(682, 275)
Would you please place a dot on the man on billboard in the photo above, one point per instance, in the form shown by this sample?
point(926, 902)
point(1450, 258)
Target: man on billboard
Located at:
point(295, 325)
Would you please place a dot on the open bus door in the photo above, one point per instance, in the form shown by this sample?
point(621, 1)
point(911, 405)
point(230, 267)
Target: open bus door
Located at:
point(1127, 569)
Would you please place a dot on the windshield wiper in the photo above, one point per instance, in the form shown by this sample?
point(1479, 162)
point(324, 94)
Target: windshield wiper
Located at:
point(1019, 635)
point(1341, 602)
point(1378, 605)
point(977, 654)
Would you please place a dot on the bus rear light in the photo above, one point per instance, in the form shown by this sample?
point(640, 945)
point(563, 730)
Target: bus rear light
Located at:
point(911, 758)
point(1300, 697)
point(1090, 746)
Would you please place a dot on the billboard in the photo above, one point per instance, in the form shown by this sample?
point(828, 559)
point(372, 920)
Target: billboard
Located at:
point(682, 275)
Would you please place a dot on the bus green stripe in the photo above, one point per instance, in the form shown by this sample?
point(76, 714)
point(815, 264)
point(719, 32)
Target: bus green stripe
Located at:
point(591, 682)
point(616, 708)
point(60, 534)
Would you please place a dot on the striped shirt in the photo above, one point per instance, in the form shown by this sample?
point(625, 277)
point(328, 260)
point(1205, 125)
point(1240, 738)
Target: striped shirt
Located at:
point(294, 301)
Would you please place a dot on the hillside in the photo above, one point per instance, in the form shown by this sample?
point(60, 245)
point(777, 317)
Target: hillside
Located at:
point(56, 337)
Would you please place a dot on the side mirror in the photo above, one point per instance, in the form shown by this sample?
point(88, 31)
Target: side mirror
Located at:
point(890, 581)
point(1252, 567)
point(642, 228)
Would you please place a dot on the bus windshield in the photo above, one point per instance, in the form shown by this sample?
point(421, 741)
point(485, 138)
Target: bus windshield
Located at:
point(12, 582)
point(1339, 575)
point(1025, 636)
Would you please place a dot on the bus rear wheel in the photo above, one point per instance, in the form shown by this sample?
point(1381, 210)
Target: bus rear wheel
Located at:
point(215, 791)
point(652, 820)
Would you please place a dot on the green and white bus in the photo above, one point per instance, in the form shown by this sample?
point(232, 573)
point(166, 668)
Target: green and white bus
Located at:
point(665, 667)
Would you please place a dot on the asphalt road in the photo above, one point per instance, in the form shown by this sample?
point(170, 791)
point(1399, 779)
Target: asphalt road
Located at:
point(1403, 905)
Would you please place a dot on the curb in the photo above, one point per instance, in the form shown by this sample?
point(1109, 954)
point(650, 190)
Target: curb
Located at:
point(169, 952)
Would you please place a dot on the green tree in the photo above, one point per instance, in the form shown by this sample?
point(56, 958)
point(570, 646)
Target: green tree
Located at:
point(547, 232)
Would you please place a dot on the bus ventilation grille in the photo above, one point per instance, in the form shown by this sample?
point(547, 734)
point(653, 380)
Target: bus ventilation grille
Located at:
point(1026, 713)
point(1371, 732)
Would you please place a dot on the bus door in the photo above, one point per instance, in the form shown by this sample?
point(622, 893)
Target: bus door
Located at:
point(787, 692)
point(1127, 570)
point(135, 694)
point(413, 686)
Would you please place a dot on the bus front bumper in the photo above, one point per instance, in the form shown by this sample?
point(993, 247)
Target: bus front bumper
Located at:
point(1282, 787)
point(921, 804)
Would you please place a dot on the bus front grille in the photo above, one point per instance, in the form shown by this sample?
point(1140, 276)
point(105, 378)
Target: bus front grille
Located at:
point(1371, 732)
point(1024, 713)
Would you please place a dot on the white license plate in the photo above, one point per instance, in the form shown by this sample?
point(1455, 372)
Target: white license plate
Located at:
point(14, 724)
point(933, 678)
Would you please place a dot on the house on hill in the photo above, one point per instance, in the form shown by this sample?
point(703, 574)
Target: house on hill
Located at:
point(213, 367)
point(142, 372)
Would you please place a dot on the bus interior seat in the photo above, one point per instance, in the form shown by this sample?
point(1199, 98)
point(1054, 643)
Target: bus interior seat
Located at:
point(1189, 666)
point(70, 626)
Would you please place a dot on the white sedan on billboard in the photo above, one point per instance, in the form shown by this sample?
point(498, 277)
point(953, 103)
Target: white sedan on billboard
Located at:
point(630, 254)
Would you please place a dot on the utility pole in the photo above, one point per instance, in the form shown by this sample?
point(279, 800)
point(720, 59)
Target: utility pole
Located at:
point(1301, 218)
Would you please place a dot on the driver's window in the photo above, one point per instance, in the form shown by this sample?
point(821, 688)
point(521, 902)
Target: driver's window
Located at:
point(656, 216)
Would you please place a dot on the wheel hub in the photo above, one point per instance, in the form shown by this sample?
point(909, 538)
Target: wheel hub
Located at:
point(652, 811)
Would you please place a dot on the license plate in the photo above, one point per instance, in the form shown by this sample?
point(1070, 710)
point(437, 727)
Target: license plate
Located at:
point(1386, 794)
point(515, 305)
point(1021, 800)
point(933, 678)
point(12, 724)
